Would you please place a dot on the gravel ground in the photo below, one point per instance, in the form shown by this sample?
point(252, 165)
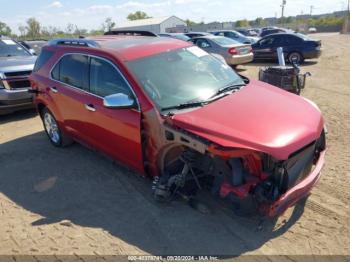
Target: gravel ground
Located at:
point(76, 201)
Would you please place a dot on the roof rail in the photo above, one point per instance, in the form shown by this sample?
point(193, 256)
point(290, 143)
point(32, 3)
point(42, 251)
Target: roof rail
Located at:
point(130, 32)
point(74, 42)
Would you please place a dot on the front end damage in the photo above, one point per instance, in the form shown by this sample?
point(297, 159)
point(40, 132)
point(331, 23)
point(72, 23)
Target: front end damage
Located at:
point(182, 164)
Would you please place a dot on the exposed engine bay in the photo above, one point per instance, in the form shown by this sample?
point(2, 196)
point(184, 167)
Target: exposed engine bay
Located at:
point(230, 174)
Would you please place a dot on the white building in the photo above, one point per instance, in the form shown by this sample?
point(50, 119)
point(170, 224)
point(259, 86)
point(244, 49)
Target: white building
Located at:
point(155, 25)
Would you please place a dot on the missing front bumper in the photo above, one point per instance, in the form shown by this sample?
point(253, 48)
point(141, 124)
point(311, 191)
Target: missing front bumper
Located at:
point(296, 193)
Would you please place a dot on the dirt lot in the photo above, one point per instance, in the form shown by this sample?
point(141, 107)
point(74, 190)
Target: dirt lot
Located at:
point(75, 201)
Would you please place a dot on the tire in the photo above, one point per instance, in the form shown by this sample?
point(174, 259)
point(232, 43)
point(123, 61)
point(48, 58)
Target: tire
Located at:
point(295, 56)
point(53, 131)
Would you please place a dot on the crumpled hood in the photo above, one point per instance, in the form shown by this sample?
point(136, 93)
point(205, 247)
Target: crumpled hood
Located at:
point(259, 117)
point(17, 63)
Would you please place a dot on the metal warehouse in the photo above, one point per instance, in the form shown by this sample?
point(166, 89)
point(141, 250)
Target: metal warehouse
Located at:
point(155, 25)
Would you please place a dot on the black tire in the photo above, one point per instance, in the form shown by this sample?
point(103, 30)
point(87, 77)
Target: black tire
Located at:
point(53, 131)
point(295, 57)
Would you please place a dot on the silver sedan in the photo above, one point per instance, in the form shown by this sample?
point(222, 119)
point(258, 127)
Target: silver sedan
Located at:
point(233, 52)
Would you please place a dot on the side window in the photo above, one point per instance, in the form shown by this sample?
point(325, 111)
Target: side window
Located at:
point(73, 70)
point(292, 40)
point(106, 80)
point(42, 59)
point(220, 33)
point(278, 41)
point(202, 43)
point(231, 34)
point(267, 41)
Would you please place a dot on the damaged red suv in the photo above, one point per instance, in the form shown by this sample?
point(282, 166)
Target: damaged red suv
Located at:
point(179, 115)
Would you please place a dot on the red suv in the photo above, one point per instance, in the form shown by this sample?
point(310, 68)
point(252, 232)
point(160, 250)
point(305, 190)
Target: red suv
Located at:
point(179, 115)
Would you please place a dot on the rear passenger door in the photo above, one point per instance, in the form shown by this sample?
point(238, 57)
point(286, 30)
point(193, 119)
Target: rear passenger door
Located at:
point(69, 91)
point(116, 132)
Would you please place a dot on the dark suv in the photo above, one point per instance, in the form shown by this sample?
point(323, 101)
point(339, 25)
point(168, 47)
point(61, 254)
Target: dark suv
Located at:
point(16, 64)
point(175, 113)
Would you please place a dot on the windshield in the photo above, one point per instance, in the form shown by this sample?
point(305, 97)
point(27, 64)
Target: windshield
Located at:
point(9, 48)
point(224, 41)
point(182, 76)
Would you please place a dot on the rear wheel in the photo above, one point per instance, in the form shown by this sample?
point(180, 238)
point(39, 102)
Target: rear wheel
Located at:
point(53, 131)
point(296, 58)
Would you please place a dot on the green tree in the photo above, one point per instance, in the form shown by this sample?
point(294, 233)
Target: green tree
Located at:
point(70, 29)
point(4, 29)
point(33, 28)
point(108, 24)
point(242, 23)
point(260, 22)
point(137, 16)
point(190, 22)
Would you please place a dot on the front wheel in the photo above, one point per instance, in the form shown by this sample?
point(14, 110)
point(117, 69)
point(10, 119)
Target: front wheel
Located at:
point(295, 58)
point(53, 131)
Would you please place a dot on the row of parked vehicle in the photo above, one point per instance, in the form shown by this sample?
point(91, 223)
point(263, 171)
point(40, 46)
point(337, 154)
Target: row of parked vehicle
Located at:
point(174, 113)
point(238, 48)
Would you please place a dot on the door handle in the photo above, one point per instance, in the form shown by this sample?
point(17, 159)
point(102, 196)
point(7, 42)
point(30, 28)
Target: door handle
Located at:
point(90, 107)
point(54, 90)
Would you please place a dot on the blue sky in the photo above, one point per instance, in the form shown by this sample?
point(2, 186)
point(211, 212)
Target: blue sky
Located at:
point(90, 14)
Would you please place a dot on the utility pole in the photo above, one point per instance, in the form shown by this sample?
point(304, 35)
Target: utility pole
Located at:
point(312, 9)
point(284, 2)
point(348, 7)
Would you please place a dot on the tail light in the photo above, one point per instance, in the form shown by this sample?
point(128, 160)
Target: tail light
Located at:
point(250, 49)
point(233, 51)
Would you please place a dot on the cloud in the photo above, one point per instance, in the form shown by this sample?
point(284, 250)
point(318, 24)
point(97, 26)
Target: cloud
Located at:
point(56, 4)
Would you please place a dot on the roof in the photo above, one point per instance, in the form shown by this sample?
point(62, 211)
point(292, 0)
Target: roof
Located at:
point(144, 22)
point(130, 48)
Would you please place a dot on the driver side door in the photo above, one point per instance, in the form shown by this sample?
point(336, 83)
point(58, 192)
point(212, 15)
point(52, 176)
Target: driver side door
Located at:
point(264, 49)
point(114, 131)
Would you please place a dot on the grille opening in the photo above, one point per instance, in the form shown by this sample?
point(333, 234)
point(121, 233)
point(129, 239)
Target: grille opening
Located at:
point(19, 73)
point(19, 84)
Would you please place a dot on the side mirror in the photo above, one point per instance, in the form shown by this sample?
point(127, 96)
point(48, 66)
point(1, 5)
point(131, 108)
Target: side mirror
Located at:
point(118, 101)
point(32, 51)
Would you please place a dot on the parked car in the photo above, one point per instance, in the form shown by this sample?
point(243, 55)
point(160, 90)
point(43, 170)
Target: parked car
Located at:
point(272, 31)
point(296, 47)
point(232, 51)
point(248, 32)
point(312, 30)
point(16, 64)
point(34, 46)
point(180, 36)
point(176, 114)
point(234, 35)
point(196, 34)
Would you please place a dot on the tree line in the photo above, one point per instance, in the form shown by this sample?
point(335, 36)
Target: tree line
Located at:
point(33, 29)
point(292, 20)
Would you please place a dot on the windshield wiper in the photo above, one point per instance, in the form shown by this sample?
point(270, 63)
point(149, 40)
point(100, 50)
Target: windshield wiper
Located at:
point(227, 88)
point(185, 105)
point(222, 90)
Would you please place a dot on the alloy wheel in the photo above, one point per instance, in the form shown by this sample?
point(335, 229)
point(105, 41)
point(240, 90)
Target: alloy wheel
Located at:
point(52, 128)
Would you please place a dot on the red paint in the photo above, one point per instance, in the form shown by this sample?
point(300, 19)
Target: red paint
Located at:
point(258, 117)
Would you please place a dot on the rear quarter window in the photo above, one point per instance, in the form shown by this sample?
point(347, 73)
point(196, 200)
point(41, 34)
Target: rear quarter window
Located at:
point(44, 56)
